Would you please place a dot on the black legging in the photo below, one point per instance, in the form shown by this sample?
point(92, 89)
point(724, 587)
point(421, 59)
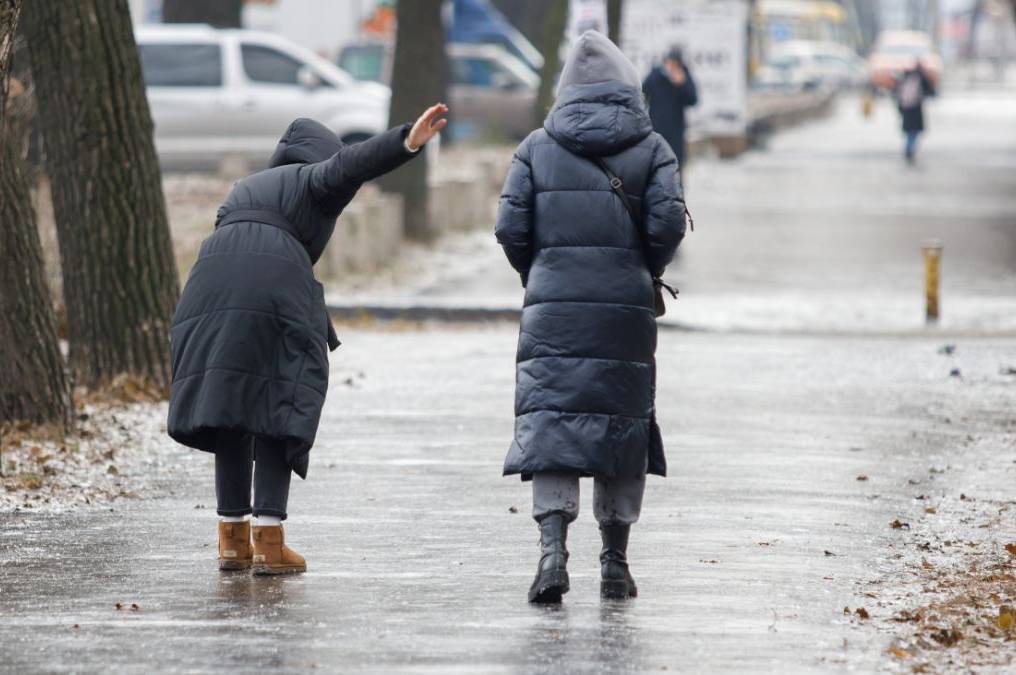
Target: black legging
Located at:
point(236, 459)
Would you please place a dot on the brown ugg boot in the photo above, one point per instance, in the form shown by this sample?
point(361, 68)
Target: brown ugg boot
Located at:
point(271, 555)
point(235, 550)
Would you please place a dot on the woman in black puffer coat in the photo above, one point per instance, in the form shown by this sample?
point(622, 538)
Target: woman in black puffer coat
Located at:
point(586, 370)
point(251, 334)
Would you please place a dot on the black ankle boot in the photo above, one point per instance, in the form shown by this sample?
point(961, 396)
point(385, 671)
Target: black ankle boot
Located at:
point(615, 579)
point(551, 580)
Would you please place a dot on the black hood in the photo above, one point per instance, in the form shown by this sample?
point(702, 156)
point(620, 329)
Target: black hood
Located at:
point(305, 142)
point(600, 109)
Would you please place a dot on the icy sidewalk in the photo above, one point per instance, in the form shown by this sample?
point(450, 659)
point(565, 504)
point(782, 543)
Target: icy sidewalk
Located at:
point(420, 552)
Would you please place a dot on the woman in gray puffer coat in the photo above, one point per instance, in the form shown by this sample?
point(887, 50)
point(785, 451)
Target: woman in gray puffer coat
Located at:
point(585, 378)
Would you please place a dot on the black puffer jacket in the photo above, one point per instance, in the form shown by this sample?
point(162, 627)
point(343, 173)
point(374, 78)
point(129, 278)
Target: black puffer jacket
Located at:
point(667, 105)
point(585, 377)
point(251, 334)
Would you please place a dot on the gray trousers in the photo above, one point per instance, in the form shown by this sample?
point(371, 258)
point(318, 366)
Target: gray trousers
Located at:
point(615, 500)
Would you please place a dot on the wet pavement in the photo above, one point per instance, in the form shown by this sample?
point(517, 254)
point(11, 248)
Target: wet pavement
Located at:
point(417, 563)
point(816, 371)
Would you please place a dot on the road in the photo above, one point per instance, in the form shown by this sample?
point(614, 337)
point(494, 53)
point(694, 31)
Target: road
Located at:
point(816, 411)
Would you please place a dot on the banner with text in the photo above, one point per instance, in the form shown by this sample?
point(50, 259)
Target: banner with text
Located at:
point(713, 37)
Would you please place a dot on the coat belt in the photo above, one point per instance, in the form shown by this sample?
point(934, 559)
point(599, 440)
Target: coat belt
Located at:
point(273, 218)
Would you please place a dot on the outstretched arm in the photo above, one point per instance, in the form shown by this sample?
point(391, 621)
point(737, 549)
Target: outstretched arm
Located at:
point(358, 163)
point(664, 210)
point(514, 229)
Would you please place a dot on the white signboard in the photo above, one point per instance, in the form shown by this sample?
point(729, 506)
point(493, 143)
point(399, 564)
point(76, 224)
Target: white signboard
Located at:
point(586, 15)
point(713, 36)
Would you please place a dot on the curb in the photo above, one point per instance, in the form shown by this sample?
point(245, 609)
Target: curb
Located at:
point(451, 315)
point(486, 315)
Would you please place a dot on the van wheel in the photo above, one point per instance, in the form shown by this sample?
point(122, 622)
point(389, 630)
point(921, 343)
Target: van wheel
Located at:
point(356, 137)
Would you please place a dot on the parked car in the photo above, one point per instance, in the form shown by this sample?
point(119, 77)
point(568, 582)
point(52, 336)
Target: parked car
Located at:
point(217, 94)
point(491, 93)
point(896, 51)
point(804, 64)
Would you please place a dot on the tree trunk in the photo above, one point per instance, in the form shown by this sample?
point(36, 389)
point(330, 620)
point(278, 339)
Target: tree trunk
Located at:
point(615, 13)
point(554, 26)
point(33, 382)
point(120, 281)
point(218, 13)
point(419, 79)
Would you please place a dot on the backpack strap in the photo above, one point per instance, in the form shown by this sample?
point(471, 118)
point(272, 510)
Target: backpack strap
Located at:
point(618, 187)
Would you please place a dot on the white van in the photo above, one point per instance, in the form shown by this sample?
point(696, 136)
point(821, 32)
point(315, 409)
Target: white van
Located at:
point(220, 95)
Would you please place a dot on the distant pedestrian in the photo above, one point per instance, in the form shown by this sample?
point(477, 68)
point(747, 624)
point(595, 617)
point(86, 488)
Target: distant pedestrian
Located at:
point(586, 372)
point(251, 334)
point(912, 87)
point(670, 90)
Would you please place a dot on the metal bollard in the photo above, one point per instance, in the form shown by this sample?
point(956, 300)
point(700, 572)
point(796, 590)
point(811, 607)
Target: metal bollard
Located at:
point(932, 250)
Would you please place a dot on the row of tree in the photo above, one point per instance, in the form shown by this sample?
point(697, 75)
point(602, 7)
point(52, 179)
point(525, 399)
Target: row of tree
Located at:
point(120, 281)
point(79, 84)
point(78, 66)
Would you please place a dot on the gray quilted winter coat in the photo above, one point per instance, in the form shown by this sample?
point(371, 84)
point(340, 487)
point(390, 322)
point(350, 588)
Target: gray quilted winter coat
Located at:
point(586, 370)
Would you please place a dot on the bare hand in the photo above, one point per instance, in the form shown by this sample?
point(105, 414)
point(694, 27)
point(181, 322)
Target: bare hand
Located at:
point(427, 126)
point(675, 71)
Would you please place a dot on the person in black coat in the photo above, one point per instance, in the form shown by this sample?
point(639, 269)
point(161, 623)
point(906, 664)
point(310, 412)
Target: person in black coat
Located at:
point(912, 87)
point(251, 334)
point(670, 90)
point(585, 371)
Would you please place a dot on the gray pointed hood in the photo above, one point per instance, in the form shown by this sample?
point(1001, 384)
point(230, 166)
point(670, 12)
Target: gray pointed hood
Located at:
point(599, 108)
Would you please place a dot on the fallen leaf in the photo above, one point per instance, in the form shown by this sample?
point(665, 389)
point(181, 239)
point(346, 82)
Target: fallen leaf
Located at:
point(946, 636)
point(1006, 617)
point(899, 525)
point(931, 509)
point(899, 653)
point(1011, 548)
point(862, 613)
point(30, 481)
point(862, 477)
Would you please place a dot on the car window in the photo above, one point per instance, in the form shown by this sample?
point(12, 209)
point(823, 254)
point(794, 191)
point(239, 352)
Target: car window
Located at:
point(905, 50)
point(785, 62)
point(363, 63)
point(264, 64)
point(181, 65)
point(472, 71)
